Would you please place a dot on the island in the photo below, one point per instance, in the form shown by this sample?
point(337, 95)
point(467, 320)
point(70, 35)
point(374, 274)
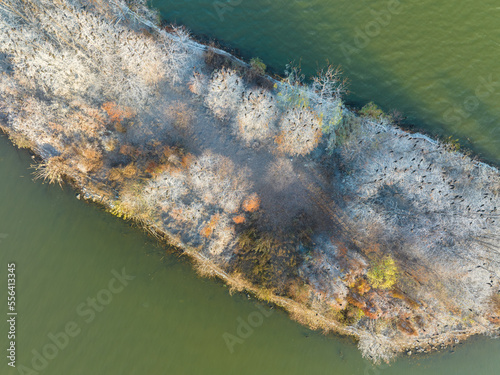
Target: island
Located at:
point(337, 215)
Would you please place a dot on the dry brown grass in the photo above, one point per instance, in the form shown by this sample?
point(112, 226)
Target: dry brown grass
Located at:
point(307, 317)
point(406, 327)
point(187, 160)
point(215, 60)
point(53, 170)
point(495, 303)
point(208, 229)
point(110, 144)
point(170, 160)
point(205, 268)
point(238, 283)
point(86, 119)
point(99, 192)
point(299, 292)
point(264, 294)
point(120, 174)
point(89, 159)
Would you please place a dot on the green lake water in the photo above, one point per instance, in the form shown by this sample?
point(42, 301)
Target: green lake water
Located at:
point(167, 320)
point(436, 62)
point(164, 321)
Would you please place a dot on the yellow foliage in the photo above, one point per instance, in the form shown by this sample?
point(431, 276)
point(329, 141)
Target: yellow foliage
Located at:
point(119, 210)
point(383, 274)
point(20, 140)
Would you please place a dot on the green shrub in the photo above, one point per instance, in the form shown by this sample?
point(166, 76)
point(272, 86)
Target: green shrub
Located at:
point(373, 111)
point(452, 144)
point(258, 65)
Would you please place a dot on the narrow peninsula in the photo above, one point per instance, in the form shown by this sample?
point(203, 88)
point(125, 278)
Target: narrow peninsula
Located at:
point(339, 216)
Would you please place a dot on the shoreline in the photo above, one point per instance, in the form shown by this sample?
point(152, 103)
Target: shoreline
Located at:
point(208, 269)
point(363, 300)
point(206, 40)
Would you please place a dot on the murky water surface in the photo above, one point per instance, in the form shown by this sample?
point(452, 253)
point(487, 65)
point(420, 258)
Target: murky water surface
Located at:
point(97, 296)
